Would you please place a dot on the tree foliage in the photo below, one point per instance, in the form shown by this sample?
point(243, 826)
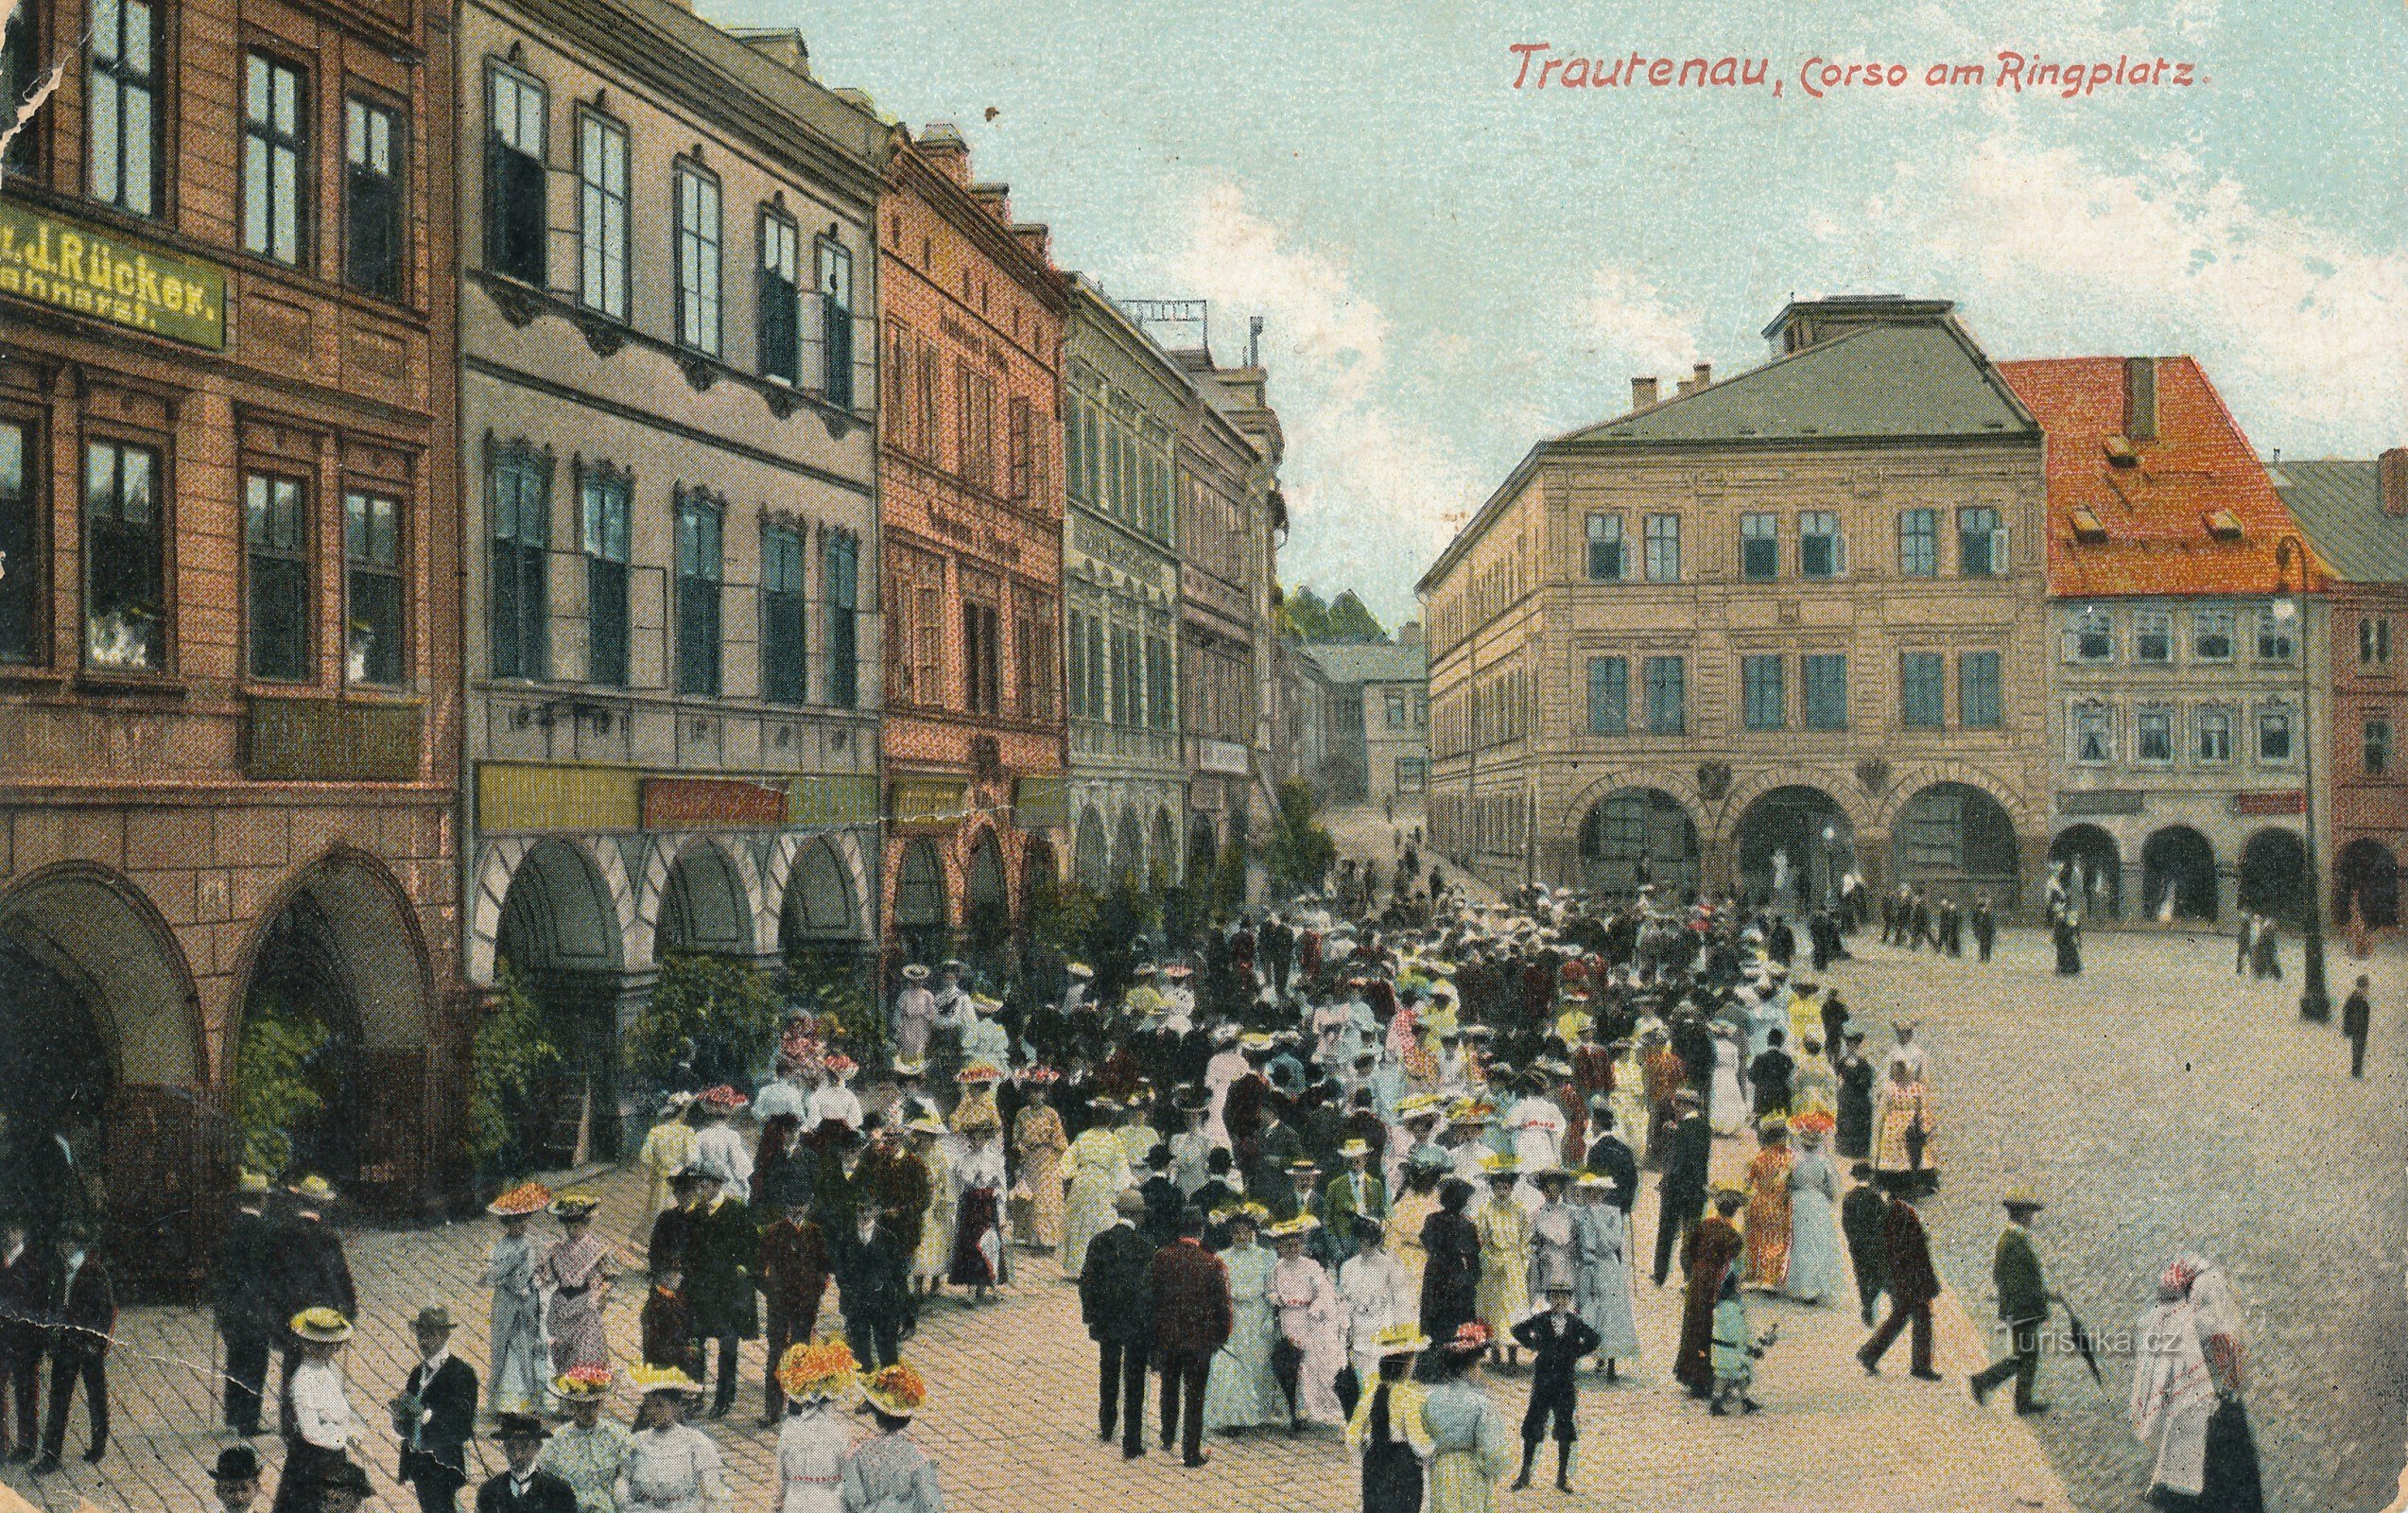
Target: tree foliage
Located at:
point(727, 1011)
point(834, 994)
point(1300, 852)
point(1307, 616)
point(511, 1048)
point(274, 1086)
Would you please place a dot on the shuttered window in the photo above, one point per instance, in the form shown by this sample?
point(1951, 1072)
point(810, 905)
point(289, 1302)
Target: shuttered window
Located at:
point(514, 186)
point(699, 567)
point(784, 610)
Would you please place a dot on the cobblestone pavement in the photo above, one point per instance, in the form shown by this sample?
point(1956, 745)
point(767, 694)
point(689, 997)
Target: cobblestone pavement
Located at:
point(2162, 1103)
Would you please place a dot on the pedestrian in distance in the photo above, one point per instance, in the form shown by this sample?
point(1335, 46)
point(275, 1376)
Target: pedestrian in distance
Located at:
point(2023, 1305)
point(2357, 1018)
point(320, 1424)
point(1914, 1285)
point(24, 1274)
point(1556, 1338)
point(888, 1472)
point(82, 1320)
point(308, 1270)
point(794, 1279)
point(241, 1306)
point(517, 1321)
point(872, 1259)
point(1192, 1317)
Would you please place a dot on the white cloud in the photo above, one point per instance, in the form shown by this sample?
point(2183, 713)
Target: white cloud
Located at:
point(2305, 331)
point(1373, 494)
point(1625, 320)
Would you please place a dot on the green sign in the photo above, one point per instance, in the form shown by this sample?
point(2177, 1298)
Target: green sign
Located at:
point(67, 265)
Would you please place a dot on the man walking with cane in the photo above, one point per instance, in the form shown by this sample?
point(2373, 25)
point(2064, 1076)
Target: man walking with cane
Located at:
point(2023, 1305)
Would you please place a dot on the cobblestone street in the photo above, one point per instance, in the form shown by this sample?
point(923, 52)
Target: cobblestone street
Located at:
point(2159, 1103)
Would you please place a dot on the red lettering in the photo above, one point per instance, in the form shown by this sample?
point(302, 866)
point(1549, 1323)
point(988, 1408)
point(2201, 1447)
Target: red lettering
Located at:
point(1526, 49)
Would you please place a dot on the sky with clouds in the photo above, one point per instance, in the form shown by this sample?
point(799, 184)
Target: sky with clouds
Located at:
point(1450, 269)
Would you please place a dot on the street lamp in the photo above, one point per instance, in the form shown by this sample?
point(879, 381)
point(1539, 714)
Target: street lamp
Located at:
point(2314, 1002)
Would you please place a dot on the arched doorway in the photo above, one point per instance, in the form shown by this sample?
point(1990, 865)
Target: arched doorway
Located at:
point(101, 1077)
point(1204, 848)
point(559, 940)
point(1091, 853)
point(819, 923)
point(2087, 855)
point(2274, 877)
point(2178, 862)
point(1635, 835)
point(1792, 846)
point(919, 927)
point(1954, 839)
point(703, 906)
point(334, 1004)
point(2366, 884)
point(987, 911)
point(1128, 853)
point(1163, 872)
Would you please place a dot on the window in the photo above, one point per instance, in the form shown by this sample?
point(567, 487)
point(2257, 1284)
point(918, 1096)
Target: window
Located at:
point(1979, 706)
point(700, 565)
point(1412, 774)
point(1981, 543)
point(780, 304)
point(2152, 736)
point(373, 640)
point(783, 612)
point(975, 394)
point(1667, 696)
point(841, 587)
point(2153, 637)
point(1759, 547)
point(1074, 450)
point(1763, 701)
point(2215, 729)
point(2089, 635)
point(125, 606)
point(1162, 681)
point(604, 244)
point(20, 69)
point(276, 567)
point(1032, 661)
point(2093, 734)
point(274, 125)
point(514, 186)
point(2378, 746)
point(1020, 440)
point(2274, 640)
point(1608, 557)
point(605, 497)
point(1078, 637)
point(2274, 734)
point(1918, 543)
point(1922, 690)
point(2374, 641)
point(20, 548)
point(373, 141)
point(835, 322)
point(1822, 551)
point(982, 663)
point(519, 494)
point(1123, 679)
point(1826, 679)
point(1610, 696)
point(1098, 670)
point(698, 260)
point(1395, 711)
point(2211, 635)
point(1663, 548)
point(121, 144)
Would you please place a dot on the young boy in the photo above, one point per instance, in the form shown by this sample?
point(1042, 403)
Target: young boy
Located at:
point(1735, 1350)
point(1556, 1339)
point(666, 1323)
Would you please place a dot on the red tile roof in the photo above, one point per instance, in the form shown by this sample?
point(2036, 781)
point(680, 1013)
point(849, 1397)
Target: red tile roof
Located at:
point(2165, 524)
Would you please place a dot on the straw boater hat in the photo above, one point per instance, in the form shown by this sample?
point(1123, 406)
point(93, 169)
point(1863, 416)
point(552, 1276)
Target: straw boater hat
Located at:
point(911, 1066)
point(582, 1383)
point(574, 1207)
point(926, 1125)
point(252, 1184)
point(1402, 1339)
point(313, 1188)
point(915, 973)
point(650, 1379)
point(322, 1326)
point(507, 1426)
point(819, 1370)
point(1355, 1148)
point(954, 965)
point(676, 1104)
point(1079, 970)
point(898, 1391)
point(432, 1316)
point(1255, 1040)
point(1250, 1213)
point(1295, 1228)
point(1500, 1164)
point(520, 1202)
point(2021, 1195)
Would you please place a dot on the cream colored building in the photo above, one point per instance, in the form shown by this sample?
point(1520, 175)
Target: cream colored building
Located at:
point(1759, 632)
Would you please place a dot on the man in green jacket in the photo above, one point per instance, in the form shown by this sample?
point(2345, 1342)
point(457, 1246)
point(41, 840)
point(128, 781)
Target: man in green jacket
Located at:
point(2023, 1304)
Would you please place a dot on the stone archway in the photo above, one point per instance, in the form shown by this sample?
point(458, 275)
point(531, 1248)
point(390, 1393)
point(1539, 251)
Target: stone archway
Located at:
point(921, 926)
point(2366, 884)
point(1639, 835)
point(704, 903)
point(819, 916)
point(1791, 845)
point(1955, 838)
point(2274, 877)
point(1163, 873)
point(1129, 852)
point(986, 904)
point(559, 935)
point(1204, 848)
point(1091, 853)
point(2177, 863)
point(2087, 854)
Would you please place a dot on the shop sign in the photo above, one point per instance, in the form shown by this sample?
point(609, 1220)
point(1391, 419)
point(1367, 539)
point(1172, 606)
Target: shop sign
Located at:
point(535, 796)
point(1225, 756)
point(1041, 803)
point(712, 802)
point(2293, 802)
point(832, 798)
point(927, 801)
point(2100, 801)
point(69, 265)
point(328, 740)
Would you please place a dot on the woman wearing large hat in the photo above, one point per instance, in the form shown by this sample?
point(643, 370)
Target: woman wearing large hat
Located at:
point(888, 1472)
point(578, 1275)
point(320, 1424)
point(812, 1443)
point(1470, 1447)
point(587, 1450)
point(517, 1321)
point(672, 1466)
point(1387, 1430)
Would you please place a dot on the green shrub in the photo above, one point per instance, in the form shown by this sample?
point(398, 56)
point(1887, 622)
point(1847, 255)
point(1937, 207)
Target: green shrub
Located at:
point(508, 1050)
point(275, 1089)
point(728, 1009)
point(847, 1011)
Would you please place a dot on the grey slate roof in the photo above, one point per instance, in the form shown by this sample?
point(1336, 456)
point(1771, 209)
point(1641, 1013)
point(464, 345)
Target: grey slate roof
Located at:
point(2339, 505)
point(1886, 381)
point(1343, 662)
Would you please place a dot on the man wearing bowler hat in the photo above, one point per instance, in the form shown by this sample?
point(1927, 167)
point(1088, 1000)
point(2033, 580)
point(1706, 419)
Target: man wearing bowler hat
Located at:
point(236, 1479)
point(435, 1416)
point(525, 1487)
point(2023, 1304)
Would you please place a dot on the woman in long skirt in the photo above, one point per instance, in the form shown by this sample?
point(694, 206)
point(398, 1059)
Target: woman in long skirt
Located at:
point(1765, 1263)
point(578, 1274)
point(1726, 1108)
point(1386, 1433)
point(1470, 1446)
point(1243, 1391)
point(517, 1341)
point(1629, 1100)
point(977, 1207)
point(1450, 1278)
point(1505, 1259)
point(1414, 1204)
point(1602, 1290)
point(1098, 1170)
point(1814, 1195)
point(1312, 1317)
point(933, 1257)
point(1037, 1136)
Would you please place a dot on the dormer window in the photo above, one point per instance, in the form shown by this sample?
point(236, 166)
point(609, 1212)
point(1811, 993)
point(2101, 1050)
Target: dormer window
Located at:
point(2224, 525)
point(2088, 527)
point(2119, 453)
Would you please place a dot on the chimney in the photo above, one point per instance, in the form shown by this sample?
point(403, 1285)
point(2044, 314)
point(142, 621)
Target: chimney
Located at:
point(941, 148)
point(1702, 376)
point(1409, 633)
point(1642, 392)
point(996, 198)
point(781, 46)
point(2391, 473)
point(2140, 399)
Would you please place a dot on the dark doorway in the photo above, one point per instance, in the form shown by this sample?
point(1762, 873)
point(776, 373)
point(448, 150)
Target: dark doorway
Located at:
point(55, 1077)
point(302, 1040)
point(819, 922)
point(1954, 839)
point(2087, 855)
point(1792, 846)
point(2274, 877)
point(2177, 861)
point(560, 942)
point(2365, 885)
point(1636, 835)
point(920, 926)
point(987, 918)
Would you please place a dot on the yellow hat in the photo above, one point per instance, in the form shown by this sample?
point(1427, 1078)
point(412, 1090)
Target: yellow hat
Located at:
point(583, 1381)
point(314, 1189)
point(1403, 1339)
point(322, 1326)
point(898, 1391)
point(252, 1183)
point(521, 1201)
point(820, 1369)
point(651, 1379)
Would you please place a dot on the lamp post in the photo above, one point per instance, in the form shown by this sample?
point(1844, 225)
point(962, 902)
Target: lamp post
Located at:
point(2314, 1002)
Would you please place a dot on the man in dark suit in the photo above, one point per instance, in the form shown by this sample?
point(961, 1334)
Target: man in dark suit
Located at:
point(1609, 1156)
point(1192, 1319)
point(1556, 1339)
point(873, 1286)
point(2023, 1304)
point(436, 1416)
point(794, 1277)
point(306, 1269)
point(722, 1246)
point(1914, 1285)
point(241, 1306)
point(23, 1287)
point(1864, 1219)
point(82, 1318)
point(1164, 1201)
point(1117, 1301)
point(525, 1487)
point(1682, 1197)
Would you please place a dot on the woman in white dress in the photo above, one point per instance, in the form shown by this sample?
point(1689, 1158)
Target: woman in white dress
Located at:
point(1241, 1391)
point(1814, 1195)
point(1602, 1288)
point(672, 1466)
point(811, 1446)
point(1096, 1168)
point(1727, 1108)
point(1311, 1321)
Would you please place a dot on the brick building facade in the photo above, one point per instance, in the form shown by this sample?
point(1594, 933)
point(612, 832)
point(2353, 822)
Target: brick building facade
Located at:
point(229, 716)
point(971, 506)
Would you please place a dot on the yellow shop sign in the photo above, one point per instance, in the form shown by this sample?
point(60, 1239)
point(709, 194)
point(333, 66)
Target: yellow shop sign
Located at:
point(68, 265)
